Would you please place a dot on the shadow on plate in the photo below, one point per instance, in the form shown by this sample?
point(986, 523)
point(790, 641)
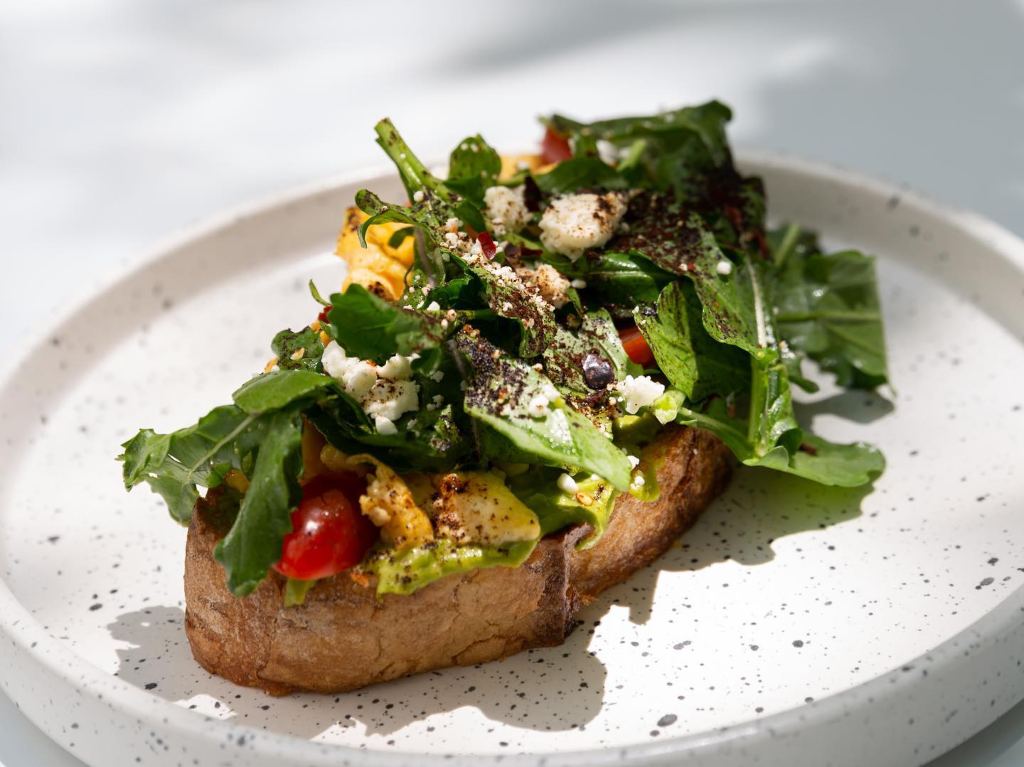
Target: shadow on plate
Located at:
point(550, 689)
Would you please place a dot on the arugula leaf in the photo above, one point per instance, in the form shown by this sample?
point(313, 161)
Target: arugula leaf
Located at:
point(666, 131)
point(616, 281)
point(305, 342)
point(368, 327)
point(832, 464)
point(811, 457)
point(692, 361)
point(431, 440)
point(473, 167)
point(563, 359)
point(675, 150)
point(580, 173)
point(500, 393)
point(254, 542)
point(272, 391)
point(508, 297)
point(439, 200)
point(174, 464)
point(827, 307)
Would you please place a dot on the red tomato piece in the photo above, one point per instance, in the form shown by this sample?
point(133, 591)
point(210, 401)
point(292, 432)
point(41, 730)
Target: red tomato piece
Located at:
point(636, 346)
point(329, 534)
point(554, 147)
point(487, 244)
point(323, 313)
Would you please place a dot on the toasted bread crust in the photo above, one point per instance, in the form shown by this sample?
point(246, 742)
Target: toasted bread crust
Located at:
point(345, 636)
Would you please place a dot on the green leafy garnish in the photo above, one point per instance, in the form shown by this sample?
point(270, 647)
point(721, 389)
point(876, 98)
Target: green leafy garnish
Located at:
point(515, 365)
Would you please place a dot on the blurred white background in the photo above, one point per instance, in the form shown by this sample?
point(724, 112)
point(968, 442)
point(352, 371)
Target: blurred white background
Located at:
point(122, 123)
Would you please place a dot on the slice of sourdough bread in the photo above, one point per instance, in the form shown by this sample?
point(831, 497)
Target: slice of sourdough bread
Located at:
point(345, 636)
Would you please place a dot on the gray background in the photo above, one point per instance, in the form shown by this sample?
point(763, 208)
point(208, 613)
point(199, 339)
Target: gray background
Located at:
point(123, 122)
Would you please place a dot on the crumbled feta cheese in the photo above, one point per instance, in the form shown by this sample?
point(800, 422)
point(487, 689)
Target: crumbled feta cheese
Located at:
point(433, 306)
point(397, 368)
point(552, 285)
point(639, 481)
point(607, 151)
point(381, 391)
point(437, 376)
point(578, 283)
point(567, 484)
point(438, 399)
point(724, 268)
point(335, 361)
point(575, 222)
point(359, 379)
point(639, 391)
point(506, 209)
point(452, 225)
point(538, 406)
point(550, 392)
point(633, 461)
point(418, 196)
point(391, 399)
point(451, 239)
point(384, 425)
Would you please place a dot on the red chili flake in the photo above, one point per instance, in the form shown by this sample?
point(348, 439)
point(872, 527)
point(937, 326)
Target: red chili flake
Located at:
point(487, 244)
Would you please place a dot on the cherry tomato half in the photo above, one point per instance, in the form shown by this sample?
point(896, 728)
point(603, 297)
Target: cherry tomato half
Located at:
point(554, 147)
point(329, 534)
point(487, 244)
point(636, 346)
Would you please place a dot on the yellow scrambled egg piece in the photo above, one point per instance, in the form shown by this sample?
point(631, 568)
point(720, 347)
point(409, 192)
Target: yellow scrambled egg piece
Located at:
point(388, 502)
point(379, 267)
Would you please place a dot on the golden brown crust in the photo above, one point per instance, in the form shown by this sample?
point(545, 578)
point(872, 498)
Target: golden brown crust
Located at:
point(345, 636)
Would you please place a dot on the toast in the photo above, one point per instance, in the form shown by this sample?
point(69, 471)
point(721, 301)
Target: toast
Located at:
point(345, 637)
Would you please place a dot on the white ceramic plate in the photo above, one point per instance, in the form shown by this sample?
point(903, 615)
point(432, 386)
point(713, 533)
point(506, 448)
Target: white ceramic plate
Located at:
point(796, 624)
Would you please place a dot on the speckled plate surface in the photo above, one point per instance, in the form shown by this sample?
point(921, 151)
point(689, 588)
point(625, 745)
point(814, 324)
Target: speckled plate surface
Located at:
point(794, 624)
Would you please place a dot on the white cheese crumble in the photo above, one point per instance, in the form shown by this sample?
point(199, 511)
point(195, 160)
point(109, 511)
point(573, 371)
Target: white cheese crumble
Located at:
point(639, 481)
point(385, 393)
point(724, 268)
point(607, 151)
point(639, 391)
point(567, 484)
point(397, 368)
point(538, 406)
point(418, 196)
point(359, 379)
point(433, 306)
point(633, 461)
point(384, 425)
point(391, 399)
point(575, 222)
point(506, 209)
point(578, 283)
point(548, 281)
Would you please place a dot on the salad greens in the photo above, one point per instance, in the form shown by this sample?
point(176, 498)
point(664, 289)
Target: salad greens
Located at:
point(504, 351)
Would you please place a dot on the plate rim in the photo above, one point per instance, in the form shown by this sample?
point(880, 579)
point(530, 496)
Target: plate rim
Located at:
point(25, 633)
